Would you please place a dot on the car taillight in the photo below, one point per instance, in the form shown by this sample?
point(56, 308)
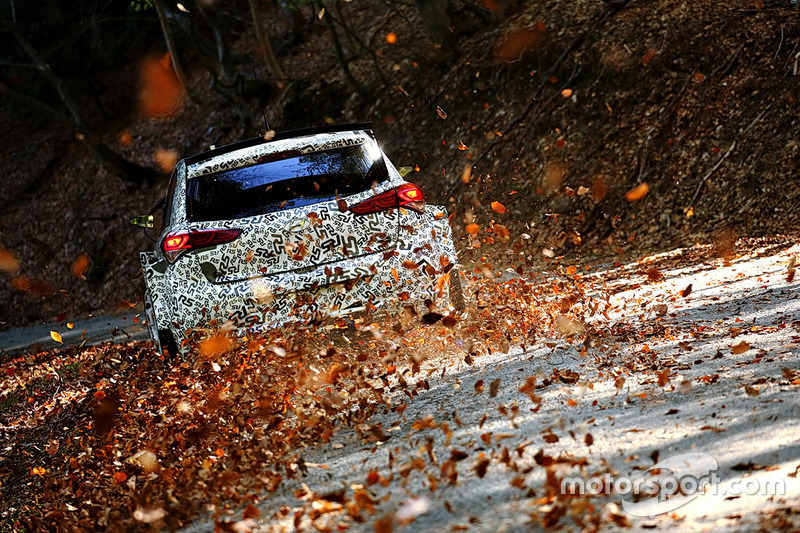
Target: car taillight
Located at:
point(407, 195)
point(181, 241)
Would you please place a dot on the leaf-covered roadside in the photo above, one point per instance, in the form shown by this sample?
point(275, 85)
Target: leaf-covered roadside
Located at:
point(115, 436)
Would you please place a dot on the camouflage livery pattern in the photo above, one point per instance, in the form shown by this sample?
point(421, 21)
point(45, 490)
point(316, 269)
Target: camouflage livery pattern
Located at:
point(299, 263)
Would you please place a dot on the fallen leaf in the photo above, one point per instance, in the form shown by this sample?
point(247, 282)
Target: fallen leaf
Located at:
point(687, 291)
point(742, 347)
point(494, 387)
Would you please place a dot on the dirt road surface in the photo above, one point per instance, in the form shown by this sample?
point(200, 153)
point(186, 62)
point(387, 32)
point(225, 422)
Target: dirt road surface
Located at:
point(723, 381)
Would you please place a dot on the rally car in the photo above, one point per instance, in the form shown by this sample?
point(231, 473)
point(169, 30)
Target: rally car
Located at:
point(293, 227)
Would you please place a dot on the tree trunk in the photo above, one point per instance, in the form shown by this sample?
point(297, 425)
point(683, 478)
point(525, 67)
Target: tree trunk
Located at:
point(337, 45)
point(263, 39)
point(112, 161)
point(172, 49)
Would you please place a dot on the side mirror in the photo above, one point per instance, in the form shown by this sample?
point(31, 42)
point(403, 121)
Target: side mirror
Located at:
point(144, 221)
point(405, 171)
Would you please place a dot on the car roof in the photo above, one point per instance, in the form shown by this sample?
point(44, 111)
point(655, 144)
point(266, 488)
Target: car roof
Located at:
point(279, 136)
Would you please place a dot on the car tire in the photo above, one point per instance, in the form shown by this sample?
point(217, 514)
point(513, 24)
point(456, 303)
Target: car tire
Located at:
point(457, 292)
point(163, 339)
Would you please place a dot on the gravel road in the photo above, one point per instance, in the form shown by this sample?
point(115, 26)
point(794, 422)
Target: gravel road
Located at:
point(722, 381)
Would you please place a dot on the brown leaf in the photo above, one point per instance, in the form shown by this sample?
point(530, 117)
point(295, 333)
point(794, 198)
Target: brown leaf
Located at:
point(588, 439)
point(654, 274)
point(479, 386)
point(550, 437)
point(687, 291)
point(599, 189)
point(481, 467)
point(8, 262)
point(494, 387)
point(431, 318)
point(554, 174)
point(342, 205)
point(742, 347)
point(441, 112)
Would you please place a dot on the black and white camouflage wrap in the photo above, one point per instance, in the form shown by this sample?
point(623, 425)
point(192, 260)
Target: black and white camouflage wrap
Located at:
point(301, 262)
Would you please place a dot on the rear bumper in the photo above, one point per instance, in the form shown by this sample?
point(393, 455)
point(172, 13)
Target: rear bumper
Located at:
point(189, 302)
point(334, 289)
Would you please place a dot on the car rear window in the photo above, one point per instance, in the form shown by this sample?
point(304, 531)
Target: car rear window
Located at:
point(283, 181)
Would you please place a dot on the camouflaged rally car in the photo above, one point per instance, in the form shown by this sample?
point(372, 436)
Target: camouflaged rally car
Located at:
point(307, 224)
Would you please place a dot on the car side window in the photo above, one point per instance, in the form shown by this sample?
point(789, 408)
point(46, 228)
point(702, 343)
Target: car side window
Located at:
point(173, 181)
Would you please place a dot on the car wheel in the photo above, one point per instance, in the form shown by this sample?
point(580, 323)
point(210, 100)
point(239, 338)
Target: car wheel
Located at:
point(163, 339)
point(457, 292)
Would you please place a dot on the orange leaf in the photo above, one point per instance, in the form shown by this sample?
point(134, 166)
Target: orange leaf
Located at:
point(166, 159)
point(8, 262)
point(215, 346)
point(55, 336)
point(500, 208)
point(566, 93)
point(638, 192)
point(472, 229)
point(391, 38)
point(120, 477)
point(80, 266)
point(160, 94)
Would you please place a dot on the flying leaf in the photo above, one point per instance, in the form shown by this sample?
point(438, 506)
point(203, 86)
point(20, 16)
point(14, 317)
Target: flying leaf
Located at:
point(431, 318)
point(80, 266)
point(160, 93)
point(687, 291)
point(166, 159)
point(494, 387)
point(441, 112)
point(391, 38)
point(566, 93)
point(498, 207)
point(55, 336)
point(8, 262)
point(638, 192)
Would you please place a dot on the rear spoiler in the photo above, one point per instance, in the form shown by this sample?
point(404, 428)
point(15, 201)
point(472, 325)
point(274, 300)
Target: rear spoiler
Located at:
point(289, 134)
